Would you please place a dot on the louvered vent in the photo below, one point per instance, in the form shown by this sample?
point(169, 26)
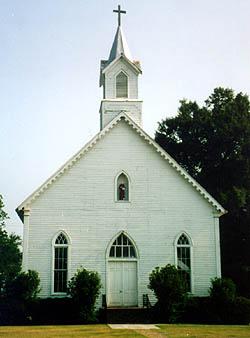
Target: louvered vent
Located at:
point(121, 85)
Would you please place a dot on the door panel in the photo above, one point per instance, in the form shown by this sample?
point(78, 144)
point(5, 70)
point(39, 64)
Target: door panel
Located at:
point(115, 284)
point(122, 284)
point(129, 284)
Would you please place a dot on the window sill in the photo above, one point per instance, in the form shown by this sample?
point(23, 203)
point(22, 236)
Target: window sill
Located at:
point(59, 294)
point(122, 201)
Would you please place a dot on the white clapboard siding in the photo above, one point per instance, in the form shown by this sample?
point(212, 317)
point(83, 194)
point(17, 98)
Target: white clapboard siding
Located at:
point(162, 205)
point(111, 105)
point(110, 80)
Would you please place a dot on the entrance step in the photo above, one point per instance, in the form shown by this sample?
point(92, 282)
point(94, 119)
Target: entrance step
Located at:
point(128, 316)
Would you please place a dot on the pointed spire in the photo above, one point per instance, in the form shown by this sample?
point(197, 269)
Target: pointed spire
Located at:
point(119, 47)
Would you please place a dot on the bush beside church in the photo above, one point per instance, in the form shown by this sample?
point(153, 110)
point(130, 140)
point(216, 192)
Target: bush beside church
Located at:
point(22, 306)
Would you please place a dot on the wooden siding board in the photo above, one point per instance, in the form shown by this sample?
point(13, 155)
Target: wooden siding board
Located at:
point(81, 202)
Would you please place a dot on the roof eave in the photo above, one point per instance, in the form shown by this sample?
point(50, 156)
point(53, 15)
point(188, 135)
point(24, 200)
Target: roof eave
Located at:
point(122, 56)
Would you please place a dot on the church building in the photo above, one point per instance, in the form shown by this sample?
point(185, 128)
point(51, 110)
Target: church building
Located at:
point(121, 206)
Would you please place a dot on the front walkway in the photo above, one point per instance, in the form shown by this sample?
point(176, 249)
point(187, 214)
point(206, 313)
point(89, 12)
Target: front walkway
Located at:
point(134, 326)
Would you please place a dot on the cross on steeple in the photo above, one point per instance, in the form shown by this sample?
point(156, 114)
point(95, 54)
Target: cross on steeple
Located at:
point(119, 11)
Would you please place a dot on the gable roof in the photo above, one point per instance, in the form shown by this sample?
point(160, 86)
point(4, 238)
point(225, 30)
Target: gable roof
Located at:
point(122, 116)
point(134, 64)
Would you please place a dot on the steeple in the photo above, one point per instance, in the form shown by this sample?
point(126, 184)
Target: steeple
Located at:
point(119, 78)
point(119, 47)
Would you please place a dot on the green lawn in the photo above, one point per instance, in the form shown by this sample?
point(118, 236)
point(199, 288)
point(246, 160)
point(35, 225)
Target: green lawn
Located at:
point(202, 331)
point(63, 331)
point(190, 331)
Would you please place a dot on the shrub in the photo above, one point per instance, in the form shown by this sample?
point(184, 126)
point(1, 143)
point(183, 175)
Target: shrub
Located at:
point(241, 311)
point(197, 311)
point(25, 286)
point(84, 288)
point(170, 291)
point(53, 311)
point(222, 300)
point(222, 290)
point(21, 292)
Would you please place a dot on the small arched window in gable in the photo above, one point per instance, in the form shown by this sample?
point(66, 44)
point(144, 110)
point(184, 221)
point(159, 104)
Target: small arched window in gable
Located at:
point(121, 85)
point(122, 247)
point(60, 264)
point(183, 249)
point(122, 188)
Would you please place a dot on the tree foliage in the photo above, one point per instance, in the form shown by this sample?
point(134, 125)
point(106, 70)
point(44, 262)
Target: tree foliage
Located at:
point(10, 262)
point(25, 286)
point(212, 142)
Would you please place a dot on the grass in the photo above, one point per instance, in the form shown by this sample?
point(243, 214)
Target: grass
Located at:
point(202, 331)
point(63, 331)
point(103, 331)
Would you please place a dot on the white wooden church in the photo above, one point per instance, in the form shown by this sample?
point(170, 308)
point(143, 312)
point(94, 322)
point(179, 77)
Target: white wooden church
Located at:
point(121, 206)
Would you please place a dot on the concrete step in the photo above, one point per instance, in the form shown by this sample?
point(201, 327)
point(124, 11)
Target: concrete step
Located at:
point(128, 316)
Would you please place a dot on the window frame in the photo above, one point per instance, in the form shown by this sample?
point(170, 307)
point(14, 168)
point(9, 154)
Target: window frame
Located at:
point(54, 245)
point(115, 244)
point(117, 200)
point(190, 246)
point(117, 74)
point(110, 258)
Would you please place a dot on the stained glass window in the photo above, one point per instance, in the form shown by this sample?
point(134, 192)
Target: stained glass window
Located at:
point(122, 188)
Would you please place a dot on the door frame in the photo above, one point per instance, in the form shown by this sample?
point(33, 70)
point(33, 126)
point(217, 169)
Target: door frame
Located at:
point(112, 259)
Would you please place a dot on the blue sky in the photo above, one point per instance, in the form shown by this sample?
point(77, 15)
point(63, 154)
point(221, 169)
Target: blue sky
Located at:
point(49, 69)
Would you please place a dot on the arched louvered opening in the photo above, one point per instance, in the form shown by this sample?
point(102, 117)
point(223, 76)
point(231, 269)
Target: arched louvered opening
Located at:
point(122, 247)
point(121, 85)
point(60, 263)
point(122, 190)
point(183, 248)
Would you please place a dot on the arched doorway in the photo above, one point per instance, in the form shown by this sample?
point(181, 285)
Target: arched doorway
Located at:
point(122, 272)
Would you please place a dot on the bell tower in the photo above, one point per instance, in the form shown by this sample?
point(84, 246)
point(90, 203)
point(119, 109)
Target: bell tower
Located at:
point(119, 79)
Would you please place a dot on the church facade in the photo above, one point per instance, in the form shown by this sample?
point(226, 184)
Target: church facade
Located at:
point(121, 206)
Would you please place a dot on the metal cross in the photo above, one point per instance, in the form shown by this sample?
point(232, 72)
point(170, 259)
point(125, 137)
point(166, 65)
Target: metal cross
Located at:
point(119, 11)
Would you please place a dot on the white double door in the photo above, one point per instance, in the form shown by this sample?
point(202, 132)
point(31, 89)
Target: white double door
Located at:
point(122, 283)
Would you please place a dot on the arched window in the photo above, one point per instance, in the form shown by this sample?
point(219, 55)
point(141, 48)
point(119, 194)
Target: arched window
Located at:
point(60, 263)
point(122, 247)
point(122, 187)
point(121, 85)
point(183, 249)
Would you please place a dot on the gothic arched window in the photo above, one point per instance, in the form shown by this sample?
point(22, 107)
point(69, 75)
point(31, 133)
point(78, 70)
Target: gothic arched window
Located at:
point(122, 247)
point(121, 85)
point(60, 263)
point(122, 185)
point(183, 248)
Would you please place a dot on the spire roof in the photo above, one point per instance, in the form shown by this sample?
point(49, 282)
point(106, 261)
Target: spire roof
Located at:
point(119, 47)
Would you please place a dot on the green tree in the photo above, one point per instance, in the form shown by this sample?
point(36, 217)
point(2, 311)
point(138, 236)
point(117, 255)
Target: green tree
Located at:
point(84, 288)
point(170, 290)
point(10, 262)
point(212, 142)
